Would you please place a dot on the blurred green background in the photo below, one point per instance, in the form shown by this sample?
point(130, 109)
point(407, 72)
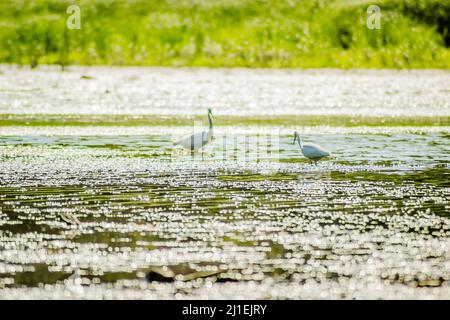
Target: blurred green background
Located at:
point(227, 33)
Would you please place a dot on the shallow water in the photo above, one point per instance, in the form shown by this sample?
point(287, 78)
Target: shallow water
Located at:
point(371, 222)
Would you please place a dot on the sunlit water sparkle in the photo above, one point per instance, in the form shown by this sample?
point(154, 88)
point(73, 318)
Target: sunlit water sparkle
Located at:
point(371, 222)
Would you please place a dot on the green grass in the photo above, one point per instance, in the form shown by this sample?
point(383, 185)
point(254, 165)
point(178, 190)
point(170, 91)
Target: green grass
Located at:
point(227, 33)
point(49, 120)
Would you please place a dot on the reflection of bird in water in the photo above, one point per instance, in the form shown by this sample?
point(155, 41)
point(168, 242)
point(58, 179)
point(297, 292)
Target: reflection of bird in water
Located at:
point(74, 283)
point(311, 150)
point(198, 140)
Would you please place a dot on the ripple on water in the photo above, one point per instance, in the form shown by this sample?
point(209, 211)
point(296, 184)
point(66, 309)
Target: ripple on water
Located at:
point(360, 225)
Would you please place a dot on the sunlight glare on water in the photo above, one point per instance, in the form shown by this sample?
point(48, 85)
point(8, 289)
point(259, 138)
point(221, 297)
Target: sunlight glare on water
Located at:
point(371, 222)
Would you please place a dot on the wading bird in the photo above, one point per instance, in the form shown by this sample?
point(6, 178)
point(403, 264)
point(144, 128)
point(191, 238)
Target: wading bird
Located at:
point(198, 140)
point(310, 150)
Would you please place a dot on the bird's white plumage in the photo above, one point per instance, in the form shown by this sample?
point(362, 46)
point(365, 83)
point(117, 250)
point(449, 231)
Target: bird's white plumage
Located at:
point(198, 140)
point(311, 150)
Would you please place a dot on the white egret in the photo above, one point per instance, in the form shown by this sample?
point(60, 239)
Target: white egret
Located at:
point(311, 150)
point(198, 140)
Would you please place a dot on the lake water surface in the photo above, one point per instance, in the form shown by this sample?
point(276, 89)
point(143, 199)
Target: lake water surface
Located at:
point(249, 217)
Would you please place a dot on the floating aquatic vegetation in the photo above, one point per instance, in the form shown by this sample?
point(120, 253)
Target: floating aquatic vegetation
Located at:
point(180, 273)
point(69, 218)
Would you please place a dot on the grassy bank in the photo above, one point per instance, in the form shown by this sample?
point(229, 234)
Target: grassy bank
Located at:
point(227, 33)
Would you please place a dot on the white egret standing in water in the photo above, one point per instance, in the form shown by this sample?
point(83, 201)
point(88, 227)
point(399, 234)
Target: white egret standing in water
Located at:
point(311, 150)
point(198, 140)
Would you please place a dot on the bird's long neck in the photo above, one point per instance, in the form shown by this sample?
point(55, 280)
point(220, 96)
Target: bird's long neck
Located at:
point(210, 121)
point(299, 140)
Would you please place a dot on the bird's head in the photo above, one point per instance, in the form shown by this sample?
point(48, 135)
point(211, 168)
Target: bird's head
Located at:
point(210, 112)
